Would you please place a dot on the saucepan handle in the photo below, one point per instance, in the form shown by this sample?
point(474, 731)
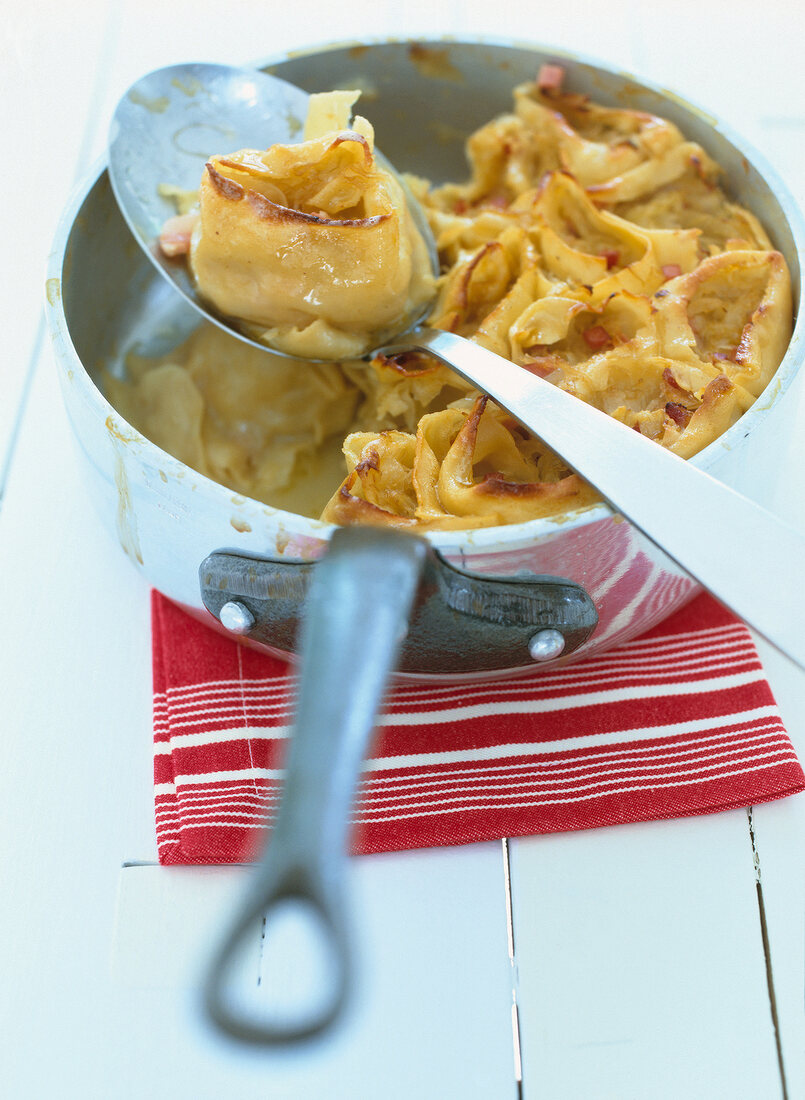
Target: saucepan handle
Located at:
point(356, 616)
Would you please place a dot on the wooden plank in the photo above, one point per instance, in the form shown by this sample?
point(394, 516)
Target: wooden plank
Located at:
point(644, 963)
point(427, 1022)
point(47, 83)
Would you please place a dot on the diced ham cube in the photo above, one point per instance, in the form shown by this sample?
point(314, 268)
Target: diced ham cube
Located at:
point(174, 239)
point(670, 379)
point(678, 413)
point(597, 337)
point(550, 78)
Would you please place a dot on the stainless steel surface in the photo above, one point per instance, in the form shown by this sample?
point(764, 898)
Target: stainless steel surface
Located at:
point(360, 599)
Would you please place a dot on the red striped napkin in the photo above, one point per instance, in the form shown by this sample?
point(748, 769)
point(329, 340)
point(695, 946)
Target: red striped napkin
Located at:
point(680, 721)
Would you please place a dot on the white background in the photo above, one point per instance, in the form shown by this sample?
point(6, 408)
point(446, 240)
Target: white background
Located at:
point(639, 965)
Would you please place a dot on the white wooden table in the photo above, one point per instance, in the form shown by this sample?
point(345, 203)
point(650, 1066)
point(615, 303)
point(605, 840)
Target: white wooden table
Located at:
point(653, 961)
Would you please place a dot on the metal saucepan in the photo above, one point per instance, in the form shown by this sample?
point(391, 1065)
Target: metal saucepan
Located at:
point(493, 601)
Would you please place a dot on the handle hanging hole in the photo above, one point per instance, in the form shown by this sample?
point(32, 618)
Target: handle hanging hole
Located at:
point(281, 978)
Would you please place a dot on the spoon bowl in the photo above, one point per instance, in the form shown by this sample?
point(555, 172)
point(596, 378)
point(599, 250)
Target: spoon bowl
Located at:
point(166, 127)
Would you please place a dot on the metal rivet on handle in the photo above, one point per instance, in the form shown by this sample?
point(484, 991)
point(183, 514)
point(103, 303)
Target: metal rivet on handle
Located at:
point(236, 618)
point(546, 645)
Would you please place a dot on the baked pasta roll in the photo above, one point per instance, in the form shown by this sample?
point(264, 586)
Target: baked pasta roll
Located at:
point(734, 311)
point(470, 465)
point(311, 248)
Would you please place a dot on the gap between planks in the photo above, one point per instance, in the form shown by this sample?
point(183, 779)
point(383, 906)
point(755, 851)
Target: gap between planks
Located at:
point(764, 934)
point(518, 1061)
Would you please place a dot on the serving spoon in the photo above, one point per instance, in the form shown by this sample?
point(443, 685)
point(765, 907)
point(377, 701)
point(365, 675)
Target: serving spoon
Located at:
point(163, 131)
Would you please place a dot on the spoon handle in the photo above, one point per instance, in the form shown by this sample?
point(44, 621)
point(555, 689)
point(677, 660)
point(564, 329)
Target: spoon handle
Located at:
point(739, 551)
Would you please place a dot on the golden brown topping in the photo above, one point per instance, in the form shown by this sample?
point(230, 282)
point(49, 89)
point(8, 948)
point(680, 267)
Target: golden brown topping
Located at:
point(226, 188)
